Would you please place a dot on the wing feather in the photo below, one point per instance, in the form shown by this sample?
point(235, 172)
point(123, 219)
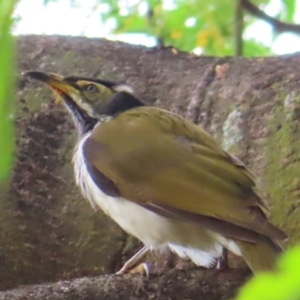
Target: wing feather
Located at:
point(156, 158)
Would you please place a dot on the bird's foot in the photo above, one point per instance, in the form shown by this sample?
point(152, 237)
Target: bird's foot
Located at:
point(136, 263)
point(222, 263)
point(142, 269)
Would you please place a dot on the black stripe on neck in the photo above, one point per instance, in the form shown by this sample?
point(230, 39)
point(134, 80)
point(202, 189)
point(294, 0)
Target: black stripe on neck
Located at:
point(83, 121)
point(120, 102)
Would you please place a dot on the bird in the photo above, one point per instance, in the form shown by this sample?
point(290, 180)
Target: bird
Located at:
point(162, 178)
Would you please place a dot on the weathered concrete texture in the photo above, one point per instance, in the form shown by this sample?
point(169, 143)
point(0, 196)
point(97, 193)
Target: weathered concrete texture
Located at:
point(48, 232)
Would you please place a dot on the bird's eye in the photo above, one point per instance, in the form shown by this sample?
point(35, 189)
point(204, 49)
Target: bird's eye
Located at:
point(91, 88)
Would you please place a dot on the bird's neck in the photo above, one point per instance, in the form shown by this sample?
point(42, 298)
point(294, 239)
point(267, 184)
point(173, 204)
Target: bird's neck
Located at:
point(119, 103)
point(82, 120)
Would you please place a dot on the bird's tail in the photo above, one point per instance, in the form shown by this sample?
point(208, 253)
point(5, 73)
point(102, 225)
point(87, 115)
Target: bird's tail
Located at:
point(260, 256)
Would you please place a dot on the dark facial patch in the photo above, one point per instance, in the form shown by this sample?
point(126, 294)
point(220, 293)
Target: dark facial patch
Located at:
point(120, 101)
point(74, 79)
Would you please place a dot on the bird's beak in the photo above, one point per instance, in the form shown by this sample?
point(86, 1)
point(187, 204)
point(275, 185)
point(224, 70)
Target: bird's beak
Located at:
point(55, 81)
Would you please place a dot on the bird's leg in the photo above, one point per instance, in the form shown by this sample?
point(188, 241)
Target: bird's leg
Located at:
point(222, 262)
point(134, 261)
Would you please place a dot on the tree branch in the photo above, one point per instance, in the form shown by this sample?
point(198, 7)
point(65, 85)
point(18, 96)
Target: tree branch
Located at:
point(192, 284)
point(239, 26)
point(278, 26)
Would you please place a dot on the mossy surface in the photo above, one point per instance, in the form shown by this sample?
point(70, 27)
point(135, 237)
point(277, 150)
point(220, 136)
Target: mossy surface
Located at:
point(282, 175)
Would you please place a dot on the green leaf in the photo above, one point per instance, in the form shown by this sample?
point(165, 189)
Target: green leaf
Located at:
point(213, 30)
point(7, 73)
point(255, 49)
point(290, 8)
point(260, 2)
point(281, 285)
point(131, 24)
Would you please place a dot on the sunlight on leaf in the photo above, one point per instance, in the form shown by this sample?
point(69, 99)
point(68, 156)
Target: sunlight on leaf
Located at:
point(202, 38)
point(176, 35)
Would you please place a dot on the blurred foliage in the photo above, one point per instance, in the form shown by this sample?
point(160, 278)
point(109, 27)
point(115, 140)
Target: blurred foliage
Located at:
point(7, 74)
point(185, 24)
point(206, 27)
point(288, 10)
point(281, 285)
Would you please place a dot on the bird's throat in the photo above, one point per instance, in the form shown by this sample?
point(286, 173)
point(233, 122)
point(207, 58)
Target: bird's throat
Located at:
point(82, 120)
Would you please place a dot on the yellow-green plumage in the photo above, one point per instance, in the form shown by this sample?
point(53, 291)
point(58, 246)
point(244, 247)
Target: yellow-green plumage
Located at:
point(164, 179)
point(157, 157)
point(153, 151)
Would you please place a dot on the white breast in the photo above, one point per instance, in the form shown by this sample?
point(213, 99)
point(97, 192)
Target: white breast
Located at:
point(200, 245)
point(133, 218)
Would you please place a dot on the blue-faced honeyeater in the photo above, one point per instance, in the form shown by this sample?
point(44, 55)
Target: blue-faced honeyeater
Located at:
point(162, 178)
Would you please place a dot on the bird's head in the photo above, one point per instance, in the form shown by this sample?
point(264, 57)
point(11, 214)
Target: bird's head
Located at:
point(89, 100)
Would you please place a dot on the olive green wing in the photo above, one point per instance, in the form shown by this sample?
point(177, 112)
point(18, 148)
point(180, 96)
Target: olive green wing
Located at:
point(173, 167)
